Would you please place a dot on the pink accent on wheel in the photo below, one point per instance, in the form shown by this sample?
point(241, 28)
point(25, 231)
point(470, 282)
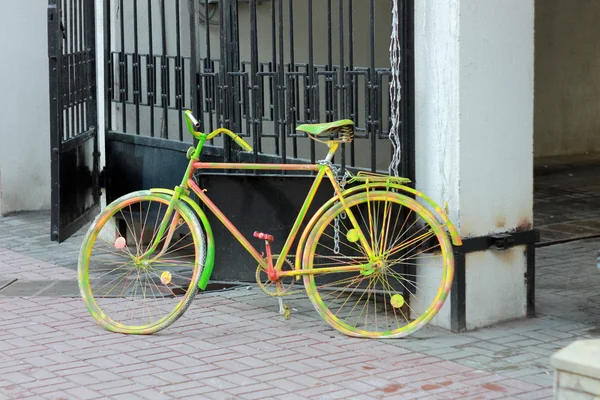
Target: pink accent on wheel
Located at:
point(120, 243)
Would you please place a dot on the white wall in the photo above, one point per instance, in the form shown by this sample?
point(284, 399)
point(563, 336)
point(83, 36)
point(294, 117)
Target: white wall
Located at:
point(567, 77)
point(474, 136)
point(24, 108)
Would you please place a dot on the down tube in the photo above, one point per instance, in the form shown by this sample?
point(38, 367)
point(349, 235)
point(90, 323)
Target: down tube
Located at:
point(227, 223)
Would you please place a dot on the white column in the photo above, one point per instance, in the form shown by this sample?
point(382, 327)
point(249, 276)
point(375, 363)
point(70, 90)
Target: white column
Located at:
point(474, 137)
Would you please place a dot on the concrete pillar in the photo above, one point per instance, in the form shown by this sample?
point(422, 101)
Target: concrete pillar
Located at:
point(474, 138)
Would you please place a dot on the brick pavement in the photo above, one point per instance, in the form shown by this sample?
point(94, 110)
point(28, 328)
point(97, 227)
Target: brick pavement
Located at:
point(232, 344)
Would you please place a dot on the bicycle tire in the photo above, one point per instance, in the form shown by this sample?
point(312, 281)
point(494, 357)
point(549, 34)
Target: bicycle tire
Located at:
point(333, 293)
point(114, 280)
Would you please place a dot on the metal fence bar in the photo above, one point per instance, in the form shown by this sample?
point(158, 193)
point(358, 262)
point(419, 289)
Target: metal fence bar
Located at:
point(371, 88)
point(208, 70)
point(122, 68)
point(164, 74)
point(312, 99)
point(137, 73)
point(179, 74)
point(281, 117)
point(275, 104)
point(224, 77)
point(78, 59)
point(257, 94)
point(150, 70)
point(292, 85)
point(108, 70)
point(195, 63)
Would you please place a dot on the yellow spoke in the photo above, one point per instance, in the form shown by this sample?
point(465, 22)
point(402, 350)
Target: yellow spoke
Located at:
point(404, 245)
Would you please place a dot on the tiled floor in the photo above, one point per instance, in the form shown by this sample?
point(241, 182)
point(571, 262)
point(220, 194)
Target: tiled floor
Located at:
point(232, 344)
point(567, 198)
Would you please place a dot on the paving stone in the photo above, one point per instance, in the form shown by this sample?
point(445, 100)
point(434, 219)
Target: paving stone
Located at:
point(229, 341)
point(543, 380)
point(154, 394)
point(84, 393)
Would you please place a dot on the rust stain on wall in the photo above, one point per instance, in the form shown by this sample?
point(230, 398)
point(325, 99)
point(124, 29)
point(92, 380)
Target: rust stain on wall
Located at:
point(501, 222)
point(524, 224)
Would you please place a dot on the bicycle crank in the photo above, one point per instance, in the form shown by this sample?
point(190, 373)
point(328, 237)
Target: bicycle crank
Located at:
point(281, 287)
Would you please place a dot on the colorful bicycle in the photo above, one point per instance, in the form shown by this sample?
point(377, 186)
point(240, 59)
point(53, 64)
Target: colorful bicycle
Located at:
point(376, 259)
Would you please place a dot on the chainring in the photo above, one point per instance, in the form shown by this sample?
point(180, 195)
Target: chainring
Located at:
point(269, 287)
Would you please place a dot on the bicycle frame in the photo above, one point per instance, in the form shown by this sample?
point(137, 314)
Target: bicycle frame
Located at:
point(322, 169)
point(401, 224)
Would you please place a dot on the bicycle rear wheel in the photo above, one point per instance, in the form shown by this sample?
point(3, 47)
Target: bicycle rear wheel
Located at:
point(403, 276)
point(126, 291)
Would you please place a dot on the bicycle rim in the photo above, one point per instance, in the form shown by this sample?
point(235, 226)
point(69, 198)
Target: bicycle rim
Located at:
point(126, 291)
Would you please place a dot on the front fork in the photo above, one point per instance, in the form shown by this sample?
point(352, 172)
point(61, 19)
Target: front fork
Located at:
point(171, 223)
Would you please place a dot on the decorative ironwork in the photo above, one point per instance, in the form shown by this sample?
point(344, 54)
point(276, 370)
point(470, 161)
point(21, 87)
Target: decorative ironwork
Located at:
point(261, 68)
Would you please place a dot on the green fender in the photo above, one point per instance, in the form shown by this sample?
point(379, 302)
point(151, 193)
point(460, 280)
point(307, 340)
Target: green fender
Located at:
point(210, 239)
point(438, 213)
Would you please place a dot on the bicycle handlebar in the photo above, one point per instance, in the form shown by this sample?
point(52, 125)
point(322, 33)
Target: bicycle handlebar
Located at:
point(236, 138)
point(193, 125)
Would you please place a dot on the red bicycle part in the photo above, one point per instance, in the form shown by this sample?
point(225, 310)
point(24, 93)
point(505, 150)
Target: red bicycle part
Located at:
point(271, 273)
point(264, 236)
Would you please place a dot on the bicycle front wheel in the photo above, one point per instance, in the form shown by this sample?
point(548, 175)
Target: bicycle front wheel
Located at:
point(127, 290)
point(402, 273)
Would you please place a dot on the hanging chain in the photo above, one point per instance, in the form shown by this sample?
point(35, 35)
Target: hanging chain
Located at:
point(336, 235)
point(336, 222)
point(395, 92)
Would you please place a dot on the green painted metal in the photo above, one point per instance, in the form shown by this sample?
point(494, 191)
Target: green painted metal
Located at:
point(326, 128)
point(164, 223)
point(301, 216)
point(236, 138)
point(438, 213)
point(209, 263)
point(192, 124)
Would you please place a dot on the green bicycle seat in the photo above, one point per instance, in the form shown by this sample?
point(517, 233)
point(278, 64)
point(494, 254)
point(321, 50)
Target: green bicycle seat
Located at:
point(344, 127)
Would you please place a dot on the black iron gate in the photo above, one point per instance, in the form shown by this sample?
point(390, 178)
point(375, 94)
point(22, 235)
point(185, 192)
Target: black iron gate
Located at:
point(258, 67)
point(73, 115)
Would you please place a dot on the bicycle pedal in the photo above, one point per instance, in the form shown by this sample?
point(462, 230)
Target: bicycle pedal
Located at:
point(264, 236)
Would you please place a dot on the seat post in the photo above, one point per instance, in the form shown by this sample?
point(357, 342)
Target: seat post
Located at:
point(333, 145)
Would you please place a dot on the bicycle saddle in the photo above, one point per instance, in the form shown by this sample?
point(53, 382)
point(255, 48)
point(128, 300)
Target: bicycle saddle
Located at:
point(344, 128)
